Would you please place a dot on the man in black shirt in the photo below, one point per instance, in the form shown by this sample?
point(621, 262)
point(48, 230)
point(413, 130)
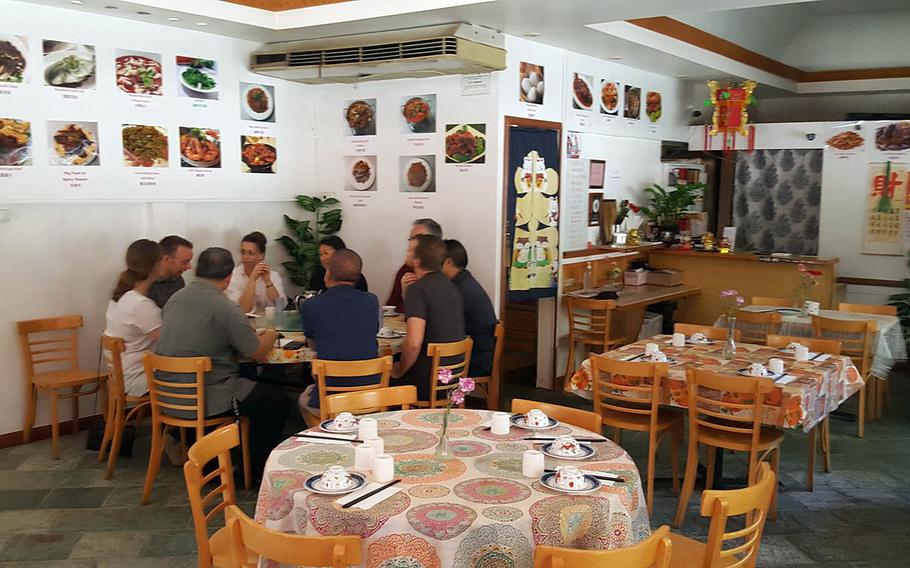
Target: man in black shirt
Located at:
point(434, 313)
point(177, 259)
point(479, 316)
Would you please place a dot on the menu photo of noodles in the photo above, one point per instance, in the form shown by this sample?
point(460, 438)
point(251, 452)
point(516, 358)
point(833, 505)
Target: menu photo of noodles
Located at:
point(417, 174)
point(257, 102)
point(258, 155)
point(69, 65)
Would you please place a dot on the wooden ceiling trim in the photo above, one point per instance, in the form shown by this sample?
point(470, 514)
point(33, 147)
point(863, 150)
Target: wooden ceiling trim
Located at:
point(856, 74)
point(282, 5)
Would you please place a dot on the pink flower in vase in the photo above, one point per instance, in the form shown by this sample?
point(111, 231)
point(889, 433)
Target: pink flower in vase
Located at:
point(457, 396)
point(466, 384)
point(444, 376)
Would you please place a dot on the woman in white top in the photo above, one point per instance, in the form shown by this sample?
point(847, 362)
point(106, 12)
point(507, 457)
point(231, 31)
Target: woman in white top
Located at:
point(133, 316)
point(254, 286)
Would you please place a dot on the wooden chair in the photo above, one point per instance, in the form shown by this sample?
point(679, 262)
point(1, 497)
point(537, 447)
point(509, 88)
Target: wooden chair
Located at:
point(50, 356)
point(121, 407)
point(212, 550)
point(574, 416)
point(737, 548)
point(731, 422)
point(712, 333)
point(460, 352)
point(167, 395)
point(856, 342)
point(876, 309)
point(653, 552)
point(758, 325)
point(817, 346)
point(371, 400)
point(590, 323)
point(627, 397)
point(323, 368)
point(250, 540)
point(489, 386)
point(771, 301)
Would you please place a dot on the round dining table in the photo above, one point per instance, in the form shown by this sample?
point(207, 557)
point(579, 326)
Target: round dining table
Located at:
point(474, 510)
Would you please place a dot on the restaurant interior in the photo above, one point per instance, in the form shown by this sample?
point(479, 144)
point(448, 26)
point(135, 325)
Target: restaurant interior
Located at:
point(685, 226)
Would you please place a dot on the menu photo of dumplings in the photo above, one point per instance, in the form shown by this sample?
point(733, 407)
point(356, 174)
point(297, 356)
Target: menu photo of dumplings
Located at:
point(69, 65)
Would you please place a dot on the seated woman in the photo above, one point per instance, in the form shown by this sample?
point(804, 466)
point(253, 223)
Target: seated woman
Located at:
point(132, 315)
point(254, 286)
point(327, 247)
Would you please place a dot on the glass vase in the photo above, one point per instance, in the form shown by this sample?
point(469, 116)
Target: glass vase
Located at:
point(729, 351)
point(443, 452)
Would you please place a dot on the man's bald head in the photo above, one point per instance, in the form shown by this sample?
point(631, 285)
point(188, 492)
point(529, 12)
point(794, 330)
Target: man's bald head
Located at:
point(344, 267)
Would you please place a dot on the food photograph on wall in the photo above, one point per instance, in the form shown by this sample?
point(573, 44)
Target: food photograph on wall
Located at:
point(200, 147)
point(139, 73)
point(13, 58)
point(417, 174)
point(466, 143)
point(632, 102)
point(609, 97)
point(69, 65)
point(257, 102)
point(15, 142)
point(360, 117)
point(360, 173)
point(198, 78)
point(73, 143)
point(653, 106)
point(144, 146)
point(418, 114)
point(582, 92)
point(258, 154)
point(530, 83)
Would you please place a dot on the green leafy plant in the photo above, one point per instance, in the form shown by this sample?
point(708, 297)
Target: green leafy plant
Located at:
point(667, 207)
point(303, 244)
point(902, 303)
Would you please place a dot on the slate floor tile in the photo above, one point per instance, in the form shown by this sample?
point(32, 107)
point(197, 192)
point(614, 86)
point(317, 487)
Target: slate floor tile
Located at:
point(73, 498)
point(39, 546)
point(110, 544)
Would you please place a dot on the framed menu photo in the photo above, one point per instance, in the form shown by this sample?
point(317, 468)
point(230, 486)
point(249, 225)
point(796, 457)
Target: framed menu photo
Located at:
point(595, 201)
point(596, 172)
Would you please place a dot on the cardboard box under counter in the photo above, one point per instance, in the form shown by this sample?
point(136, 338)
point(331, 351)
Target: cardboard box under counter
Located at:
point(633, 278)
point(666, 277)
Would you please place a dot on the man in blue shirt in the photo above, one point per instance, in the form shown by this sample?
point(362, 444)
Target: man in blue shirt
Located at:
point(341, 324)
point(479, 316)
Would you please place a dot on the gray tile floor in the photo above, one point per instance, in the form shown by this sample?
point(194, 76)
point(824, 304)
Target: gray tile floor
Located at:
point(64, 513)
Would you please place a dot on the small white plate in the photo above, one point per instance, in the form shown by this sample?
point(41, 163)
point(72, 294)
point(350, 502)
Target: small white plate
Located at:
point(788, 311)
point(426, 182)
point(520, 422)
point(371, 179)
point(586, 452)
point(591, 484)
point(356, 482)
point(328, 426)
point(393, 335)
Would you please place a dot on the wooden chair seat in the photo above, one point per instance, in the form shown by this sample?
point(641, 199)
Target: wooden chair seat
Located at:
point(220, 547)
point(690, 553)
point(768, 438)
point(666, 418)
point(67, 378)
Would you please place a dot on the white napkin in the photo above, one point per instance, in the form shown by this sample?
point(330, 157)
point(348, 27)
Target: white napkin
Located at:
point(784, 380)
point(372, 501)
point(284, 341)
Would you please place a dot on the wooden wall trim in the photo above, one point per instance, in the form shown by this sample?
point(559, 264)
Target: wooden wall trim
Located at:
point(855, 74)
point(870, 282)
point(44, 432)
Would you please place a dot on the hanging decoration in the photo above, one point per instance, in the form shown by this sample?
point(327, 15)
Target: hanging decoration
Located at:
point(731, 116)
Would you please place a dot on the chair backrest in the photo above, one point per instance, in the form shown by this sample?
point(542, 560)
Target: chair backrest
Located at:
point(855, 337)
point(626, 387)
point(712, 333)
point(216, 445)
point(590, 317)
point(755, 326)
point(653, 552)
point(813, 344)
point(752, 502)
point(113, 348)
point(867, 309)
point(248, 536)
point(771, 301)
point(49, 344)
point(574, 416)
point(171, 395)
point(324, 369)
point(366, 400)
point(458, 357)
point(734, 405)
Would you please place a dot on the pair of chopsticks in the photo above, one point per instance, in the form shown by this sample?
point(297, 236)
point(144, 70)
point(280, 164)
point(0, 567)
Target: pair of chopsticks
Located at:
point(601, 477)
point(548, 439)
point(317, 437)
point(350, 504)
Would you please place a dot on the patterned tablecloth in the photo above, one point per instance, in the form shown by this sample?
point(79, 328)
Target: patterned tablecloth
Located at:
point(306, 354)
point(888, 346)
point(474, 511)
point(819, 387)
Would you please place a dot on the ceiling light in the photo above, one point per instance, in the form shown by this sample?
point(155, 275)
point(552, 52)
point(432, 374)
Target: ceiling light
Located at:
point(144, 13)
point(531, 34)
point(615, 57)
point(111, 7)
point(77, 2)
point(201, 24)
point(173, 19)
point(681, 76)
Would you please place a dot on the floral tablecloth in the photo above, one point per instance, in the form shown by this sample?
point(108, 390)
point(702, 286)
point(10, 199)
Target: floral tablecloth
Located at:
point(819, 386)
point(474, 511)
point(306, 354)
point(888, 346)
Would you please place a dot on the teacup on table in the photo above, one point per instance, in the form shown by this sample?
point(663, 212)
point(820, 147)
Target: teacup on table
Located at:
point(758, 370)
point(658, 357)
point(387, 332)
point(335, 478)
point(698, 337)
point(536, 418)
point(565, 445)
point(793, 346)
point(569, 477)
point(344, 421)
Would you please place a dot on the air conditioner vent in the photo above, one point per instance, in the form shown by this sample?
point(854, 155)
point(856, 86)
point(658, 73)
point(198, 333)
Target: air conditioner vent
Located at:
point(382, 52)
point(299, 58)
point(341, 56)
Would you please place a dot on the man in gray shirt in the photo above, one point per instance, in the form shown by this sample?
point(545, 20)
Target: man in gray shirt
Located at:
point(200, 320)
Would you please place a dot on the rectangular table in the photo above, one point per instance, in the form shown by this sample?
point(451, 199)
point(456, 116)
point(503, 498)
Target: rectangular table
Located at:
point(633, 300)
point(818, 387)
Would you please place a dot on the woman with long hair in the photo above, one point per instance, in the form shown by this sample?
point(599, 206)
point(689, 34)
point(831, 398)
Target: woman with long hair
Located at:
point(132, 315)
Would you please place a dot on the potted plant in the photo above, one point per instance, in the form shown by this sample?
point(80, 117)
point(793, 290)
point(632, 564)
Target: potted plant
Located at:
point(303, 245)
point(667, 207)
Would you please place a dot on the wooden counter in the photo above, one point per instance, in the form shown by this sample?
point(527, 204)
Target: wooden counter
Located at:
point(746, 273)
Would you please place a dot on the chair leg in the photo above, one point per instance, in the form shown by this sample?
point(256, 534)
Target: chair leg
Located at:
point(245, 452)
point(861, 413)
point(812, 444)
point(55, 426)
point(675, 443)
point(183, 449)
point(709, 470)
point(493, 394)
point(76, 398)
point(617, 436)
point(118, 420)
point(570, 363)
point(688, 483)
point(653, 442)
point(775, 465)
point(109, 425)
point(30, 409)
point(158, 433)
point(826, 444)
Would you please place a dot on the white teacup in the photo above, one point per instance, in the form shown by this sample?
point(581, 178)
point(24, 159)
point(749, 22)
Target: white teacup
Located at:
point(565, 445)
point(793, 346)
point(389, 310)
point(698, 337)
point(344, 421)
point(651, 348)
point(679, 340)
point(776, 366)
point(335, 478)
point(658, 357)
point(811, 307)
point(569, 477)
point(757, 370)
point(801, 353)
point(536, 418)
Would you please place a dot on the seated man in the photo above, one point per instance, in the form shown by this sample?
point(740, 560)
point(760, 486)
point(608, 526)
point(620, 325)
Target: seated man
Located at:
point(405, 276)
point(433, 311)
point(479, 316)
point(200, 320)
point(177, 259)
point(340, 324)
